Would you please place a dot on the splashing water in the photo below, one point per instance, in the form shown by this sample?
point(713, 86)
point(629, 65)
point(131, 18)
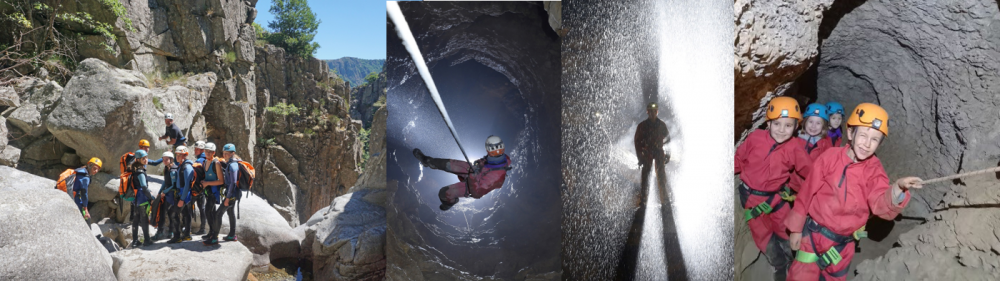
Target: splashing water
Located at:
point(403, 30)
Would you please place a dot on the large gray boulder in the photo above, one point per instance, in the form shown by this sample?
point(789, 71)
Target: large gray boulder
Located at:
point(347, 239)
point(190, 260)
point(106, 111)
point(42, 231)
point(38, 98)
point(263, 230)
point(14, 179)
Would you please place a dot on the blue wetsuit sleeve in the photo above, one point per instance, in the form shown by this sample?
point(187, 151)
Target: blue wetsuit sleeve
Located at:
point(81, 185)
point(156, 162)
point(232, 175)
point(186, 185)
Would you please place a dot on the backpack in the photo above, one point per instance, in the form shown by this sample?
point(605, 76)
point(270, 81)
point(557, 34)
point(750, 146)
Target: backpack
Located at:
point(126, 186)
point(245, 176)
point(65, 182)
point(126, 161)
point(199, 176)
point(244, 180)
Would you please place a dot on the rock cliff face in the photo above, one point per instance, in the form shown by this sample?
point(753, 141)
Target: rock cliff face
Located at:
point(933, 66)
point(364, 99)
point(200, 64)
point(776, 42)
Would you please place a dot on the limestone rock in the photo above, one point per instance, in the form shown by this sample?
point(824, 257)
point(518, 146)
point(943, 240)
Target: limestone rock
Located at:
point(940, 90)
point(776, 42)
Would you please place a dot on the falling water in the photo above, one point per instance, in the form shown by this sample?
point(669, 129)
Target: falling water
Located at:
point(606, 57)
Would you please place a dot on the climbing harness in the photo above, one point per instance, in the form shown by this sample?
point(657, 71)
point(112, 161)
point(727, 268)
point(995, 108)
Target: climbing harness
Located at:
point(832, 256)
point(762, 208)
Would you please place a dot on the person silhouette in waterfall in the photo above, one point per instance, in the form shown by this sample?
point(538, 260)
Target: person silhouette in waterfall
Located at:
point(650, 135)
point(486, 174)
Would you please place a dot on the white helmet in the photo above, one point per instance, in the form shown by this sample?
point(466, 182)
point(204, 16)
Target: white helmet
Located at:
point(181, 150)
point(199, 145)
point(210, 146)
point(168, 154)
point(169, 116)
point(494, 146)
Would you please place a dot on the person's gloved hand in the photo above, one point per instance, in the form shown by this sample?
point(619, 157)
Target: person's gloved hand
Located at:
point(476, 168)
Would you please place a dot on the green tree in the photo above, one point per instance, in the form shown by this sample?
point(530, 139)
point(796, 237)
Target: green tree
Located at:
point(293, 27)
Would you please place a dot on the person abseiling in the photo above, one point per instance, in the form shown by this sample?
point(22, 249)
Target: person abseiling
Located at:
point(765, 161)
point(173, 133)
point(814, 129)
point(485, 175)
point(213, 182)
point(843, 187)
point(81, 184)
point(140, 205)
point(836, 112)
point(650, 136)
point(232, 194)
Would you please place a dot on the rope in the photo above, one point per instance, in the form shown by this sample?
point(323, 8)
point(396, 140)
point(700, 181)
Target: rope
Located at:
point(962, 175)
point(403, 30)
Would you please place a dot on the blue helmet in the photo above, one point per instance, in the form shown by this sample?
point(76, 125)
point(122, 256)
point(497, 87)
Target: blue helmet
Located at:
point(140, 154)
point(816, 109)
point(229, 147)
point(834, 108)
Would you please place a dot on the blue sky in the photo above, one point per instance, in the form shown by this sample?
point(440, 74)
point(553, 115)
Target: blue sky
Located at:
point(349, 28)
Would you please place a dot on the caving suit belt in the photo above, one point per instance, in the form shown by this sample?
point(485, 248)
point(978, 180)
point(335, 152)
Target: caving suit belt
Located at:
point(832, 256)
point(762, 208)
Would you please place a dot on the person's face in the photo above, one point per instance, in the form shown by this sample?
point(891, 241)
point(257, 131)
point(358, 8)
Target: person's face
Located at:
point(814, 126)
point(146, 148)
point(92, 169)
point(835, 120)
point(227, 154)
point(198, 151)
point(144, 160)
point(651, 113)
point(865, 140)
point(209, 154)
point(167, 161)
point(781, 129)
point(168, 121)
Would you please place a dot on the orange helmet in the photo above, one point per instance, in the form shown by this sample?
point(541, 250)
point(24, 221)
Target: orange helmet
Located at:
point(143, 143)
point(97, 162)
point(870, 115)
point(783, 107)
